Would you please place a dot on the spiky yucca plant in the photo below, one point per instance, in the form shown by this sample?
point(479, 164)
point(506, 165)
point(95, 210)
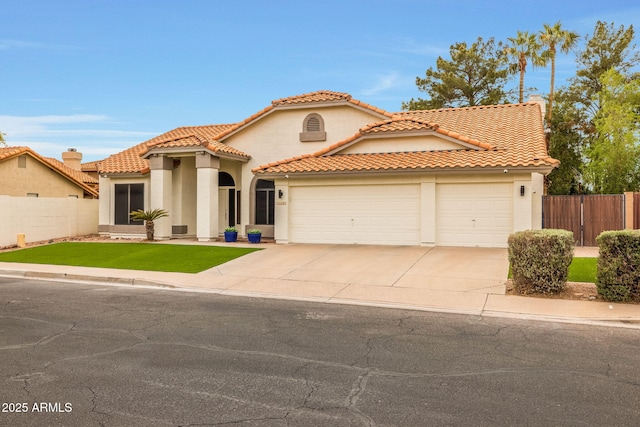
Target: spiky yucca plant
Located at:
point(148, 217)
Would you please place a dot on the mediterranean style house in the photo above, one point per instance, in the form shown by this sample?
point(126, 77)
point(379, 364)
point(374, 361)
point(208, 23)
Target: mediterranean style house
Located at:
point(323, 167)
point(25, 173)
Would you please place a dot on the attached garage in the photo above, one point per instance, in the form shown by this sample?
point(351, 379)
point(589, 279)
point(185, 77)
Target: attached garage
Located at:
point(355, 214)
point(474, 214)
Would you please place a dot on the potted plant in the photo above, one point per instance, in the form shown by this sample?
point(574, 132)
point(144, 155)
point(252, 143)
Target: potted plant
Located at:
point(230, 234)
point(254, 235)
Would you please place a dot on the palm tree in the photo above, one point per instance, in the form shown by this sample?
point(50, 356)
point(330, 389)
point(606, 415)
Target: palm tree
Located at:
point(148, 217)
point(523, 47)
point(553, 37)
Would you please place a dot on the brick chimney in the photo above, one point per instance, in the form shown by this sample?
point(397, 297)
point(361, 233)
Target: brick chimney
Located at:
point(72, 159)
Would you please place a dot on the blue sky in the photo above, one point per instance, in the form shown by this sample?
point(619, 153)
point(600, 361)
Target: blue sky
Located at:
point(101, 76)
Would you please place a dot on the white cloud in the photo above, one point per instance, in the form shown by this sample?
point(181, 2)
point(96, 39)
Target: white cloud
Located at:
point(382, 83)
point(410, 46)
point(95, 135)
point(7, 44)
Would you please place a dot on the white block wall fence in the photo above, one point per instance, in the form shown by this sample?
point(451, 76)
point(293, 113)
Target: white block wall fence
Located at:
point(43, 218)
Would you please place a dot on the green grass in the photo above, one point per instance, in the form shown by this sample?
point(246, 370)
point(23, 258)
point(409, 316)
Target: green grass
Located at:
point(129, 256)
point(583, 270)
point(580, 270)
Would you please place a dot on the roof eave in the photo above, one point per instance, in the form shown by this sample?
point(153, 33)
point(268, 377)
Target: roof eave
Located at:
point(129, 174)
point(193, 150)
point(543, 169)
point(401, 134)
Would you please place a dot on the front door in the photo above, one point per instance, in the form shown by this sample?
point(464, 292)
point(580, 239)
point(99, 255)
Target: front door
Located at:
point(226, 208)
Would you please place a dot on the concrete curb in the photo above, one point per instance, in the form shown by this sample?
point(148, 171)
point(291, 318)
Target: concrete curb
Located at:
point(629, 323)
point(81, 278)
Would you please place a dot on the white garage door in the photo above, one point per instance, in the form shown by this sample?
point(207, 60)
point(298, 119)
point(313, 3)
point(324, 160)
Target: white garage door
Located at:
point(474, 214)
point(362, 214)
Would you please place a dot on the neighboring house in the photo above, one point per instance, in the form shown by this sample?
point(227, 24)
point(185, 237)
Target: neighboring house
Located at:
point(325, 168)
point(23, 172)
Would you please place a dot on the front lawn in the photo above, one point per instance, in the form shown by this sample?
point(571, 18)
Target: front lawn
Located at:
point(129, 256)
point(580, 270)
point(583, 270)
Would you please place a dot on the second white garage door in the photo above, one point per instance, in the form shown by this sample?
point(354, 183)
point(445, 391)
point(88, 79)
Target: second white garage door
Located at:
point(355, 214)
point(474, 214)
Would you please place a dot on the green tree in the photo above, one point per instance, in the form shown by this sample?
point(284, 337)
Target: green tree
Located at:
point(555, 37)
point(613, 165)
point(475, 75)
point(565, 144)
point(2, 141)
point(577, 106)
point(522, 48)
point(148, 217)
point(607, 48)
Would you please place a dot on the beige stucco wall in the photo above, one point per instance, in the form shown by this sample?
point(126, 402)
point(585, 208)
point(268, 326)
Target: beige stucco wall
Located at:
point(34, 178)
point(396, 144)
point(106, 212)
point(43, 218)
point(183, 211)
point(277, 136)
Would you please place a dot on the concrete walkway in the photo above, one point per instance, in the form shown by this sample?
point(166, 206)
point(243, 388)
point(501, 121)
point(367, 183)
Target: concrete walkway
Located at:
point(452, 280)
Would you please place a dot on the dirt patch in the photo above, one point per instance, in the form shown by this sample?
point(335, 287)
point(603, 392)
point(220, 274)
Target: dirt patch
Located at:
point(572, 291)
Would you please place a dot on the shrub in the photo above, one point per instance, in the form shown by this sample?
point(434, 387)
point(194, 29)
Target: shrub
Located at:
point(540, 260)
point(618, 276)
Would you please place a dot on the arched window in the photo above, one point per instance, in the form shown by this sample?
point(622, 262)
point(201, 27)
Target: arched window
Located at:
point(225, 180)
point(313, 129)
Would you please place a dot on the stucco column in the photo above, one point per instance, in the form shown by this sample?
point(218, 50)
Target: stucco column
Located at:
point(161, 193)
point(104, 205)
point(628, 211)
point(428, 212)
point(281, 224)
point(207, 168)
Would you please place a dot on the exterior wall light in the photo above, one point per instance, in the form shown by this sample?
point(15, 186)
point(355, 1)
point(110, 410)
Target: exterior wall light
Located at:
point(522, 190)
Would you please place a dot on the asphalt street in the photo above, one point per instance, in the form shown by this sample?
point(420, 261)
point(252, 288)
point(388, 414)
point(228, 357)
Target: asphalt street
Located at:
point(88, 355)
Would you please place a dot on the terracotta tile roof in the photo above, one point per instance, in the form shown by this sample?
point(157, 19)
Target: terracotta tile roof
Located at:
point(90, 166)
point(198, 140)
point(404, 125)
point(79, 178)
point(326, 96)
point(8, 152)
point(78, 175)
point(513, 133)
point(319, 96)
point(506, 136)
point(127, 161)
point(131, 161)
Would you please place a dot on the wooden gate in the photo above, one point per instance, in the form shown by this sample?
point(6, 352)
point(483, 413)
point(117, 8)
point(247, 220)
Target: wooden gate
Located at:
point(585, 215)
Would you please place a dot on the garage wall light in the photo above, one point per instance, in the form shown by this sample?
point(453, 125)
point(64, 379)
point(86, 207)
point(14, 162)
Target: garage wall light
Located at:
point(280, 194)
point(522, 190)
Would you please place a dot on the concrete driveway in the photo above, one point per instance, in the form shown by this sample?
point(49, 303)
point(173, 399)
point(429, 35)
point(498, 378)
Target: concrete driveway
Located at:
point(436, 277)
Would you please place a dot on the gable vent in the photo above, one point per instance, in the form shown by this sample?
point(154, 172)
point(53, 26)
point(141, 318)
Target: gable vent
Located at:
point(313, 128)
point(313, 124)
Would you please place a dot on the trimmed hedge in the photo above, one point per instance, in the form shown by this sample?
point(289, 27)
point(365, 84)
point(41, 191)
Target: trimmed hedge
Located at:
point(540, 260)
point(618, 276)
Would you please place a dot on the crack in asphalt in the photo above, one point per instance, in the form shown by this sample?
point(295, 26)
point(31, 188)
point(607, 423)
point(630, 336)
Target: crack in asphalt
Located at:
point(357, 390)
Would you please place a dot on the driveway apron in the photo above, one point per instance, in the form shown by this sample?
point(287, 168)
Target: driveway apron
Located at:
point(440, 277)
